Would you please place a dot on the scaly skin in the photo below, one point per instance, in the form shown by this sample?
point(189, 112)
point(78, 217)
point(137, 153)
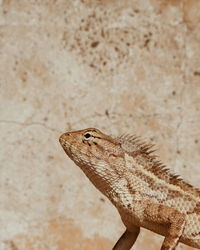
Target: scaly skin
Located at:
point(145, 193)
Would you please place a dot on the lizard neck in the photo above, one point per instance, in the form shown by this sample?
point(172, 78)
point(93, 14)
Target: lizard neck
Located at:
point(105, 176)
point(103, 180)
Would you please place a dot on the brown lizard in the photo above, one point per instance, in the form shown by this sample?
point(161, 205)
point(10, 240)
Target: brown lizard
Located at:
point(143, 190)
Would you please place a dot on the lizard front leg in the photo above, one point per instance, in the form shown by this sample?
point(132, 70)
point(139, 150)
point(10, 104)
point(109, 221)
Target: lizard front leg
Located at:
point(127, 239)
point(170, 217)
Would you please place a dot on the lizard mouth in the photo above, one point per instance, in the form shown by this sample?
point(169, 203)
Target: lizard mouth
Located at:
point(64, 143)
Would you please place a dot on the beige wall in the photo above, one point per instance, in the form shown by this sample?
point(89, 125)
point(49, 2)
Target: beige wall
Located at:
point(121, 66)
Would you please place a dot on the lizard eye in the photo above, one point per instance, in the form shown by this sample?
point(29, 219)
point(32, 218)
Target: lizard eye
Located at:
point(87, 135)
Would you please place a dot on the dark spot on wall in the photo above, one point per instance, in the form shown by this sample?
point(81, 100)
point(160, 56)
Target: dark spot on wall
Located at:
point(50, 157)
point(11, 245)
point(146, 42)
point(24, 76)
point(92, 65)
point(174, 92)
point(106, 113)
point(196, 73)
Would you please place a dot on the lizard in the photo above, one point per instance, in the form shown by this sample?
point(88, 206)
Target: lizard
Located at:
point(144, 191)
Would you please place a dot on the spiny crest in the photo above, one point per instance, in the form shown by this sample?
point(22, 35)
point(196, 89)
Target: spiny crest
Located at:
point(136, 147)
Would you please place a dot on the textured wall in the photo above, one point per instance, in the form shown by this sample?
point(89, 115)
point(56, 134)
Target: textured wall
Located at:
point(127, 66)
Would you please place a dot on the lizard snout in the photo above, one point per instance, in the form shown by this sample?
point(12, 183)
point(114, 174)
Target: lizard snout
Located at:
point(64, 138)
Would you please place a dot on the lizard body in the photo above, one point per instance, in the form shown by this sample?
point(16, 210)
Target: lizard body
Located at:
point(143, 190)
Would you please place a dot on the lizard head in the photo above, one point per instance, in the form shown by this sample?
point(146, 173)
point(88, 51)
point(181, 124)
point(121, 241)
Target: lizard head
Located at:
point(78, 144)
point(92, 150)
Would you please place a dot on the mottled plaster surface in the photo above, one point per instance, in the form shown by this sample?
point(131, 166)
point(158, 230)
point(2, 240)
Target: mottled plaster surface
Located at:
point(121, 66)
